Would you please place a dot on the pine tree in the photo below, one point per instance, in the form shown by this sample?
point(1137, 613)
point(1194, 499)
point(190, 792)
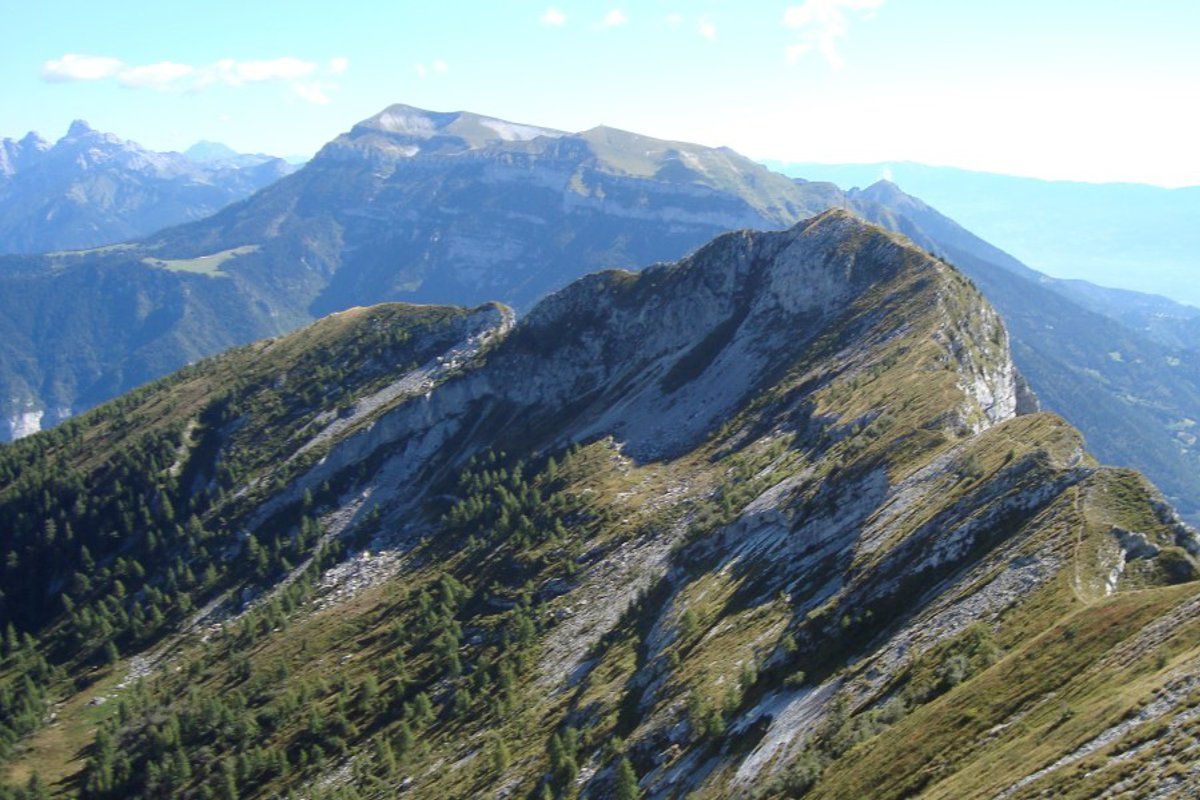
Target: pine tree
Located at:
point(36, 789)
point(404, 739)
point(626, 782)
point(501, 758)
point(227, 788)
point(11, 642)
point(562, 751)
point(182, 767)
point(687, 625)
point(385, 757)
point(422, 708)
point(367, 696)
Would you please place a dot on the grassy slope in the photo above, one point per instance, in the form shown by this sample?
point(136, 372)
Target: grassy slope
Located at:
point(285, 389)
point(1073, 668)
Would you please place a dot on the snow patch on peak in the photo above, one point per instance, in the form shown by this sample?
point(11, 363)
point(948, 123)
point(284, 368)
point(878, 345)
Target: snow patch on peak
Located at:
point(409, 123)
point(694, 162)
point(516, 132)
point(403, 150)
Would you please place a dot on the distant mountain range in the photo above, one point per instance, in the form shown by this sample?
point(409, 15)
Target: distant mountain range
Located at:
point(91, 189)
point(429, 207)
point(1135, 236)
point(207, 152)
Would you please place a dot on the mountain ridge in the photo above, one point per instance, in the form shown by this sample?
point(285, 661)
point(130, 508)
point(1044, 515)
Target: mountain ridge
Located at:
point(1119, 383)
point(735, 525)
point(1135, 236)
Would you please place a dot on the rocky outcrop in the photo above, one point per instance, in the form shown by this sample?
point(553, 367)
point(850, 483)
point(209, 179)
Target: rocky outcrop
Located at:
point(22, 424)
point(659, 360)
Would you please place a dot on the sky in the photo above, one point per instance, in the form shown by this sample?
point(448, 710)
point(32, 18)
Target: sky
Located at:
point(1094, 90)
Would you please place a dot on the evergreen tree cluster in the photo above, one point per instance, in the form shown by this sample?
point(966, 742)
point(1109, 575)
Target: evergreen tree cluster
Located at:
point(117, 525)
point(224, 721)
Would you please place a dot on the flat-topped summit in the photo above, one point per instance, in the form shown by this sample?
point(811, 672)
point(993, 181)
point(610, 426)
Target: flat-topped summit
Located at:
point(403, 122)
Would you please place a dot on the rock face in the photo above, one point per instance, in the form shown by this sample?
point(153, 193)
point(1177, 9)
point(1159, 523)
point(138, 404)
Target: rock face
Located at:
point(27, 423)
point(660, 359)
point(23, 424)
point(768, 516)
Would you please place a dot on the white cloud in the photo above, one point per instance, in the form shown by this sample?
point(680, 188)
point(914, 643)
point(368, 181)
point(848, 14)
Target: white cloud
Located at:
point(822, 24)
point(302, 77)
point(239, 73)
point(708, 29)
point(162, 77)
point(674, 19)
point(614, 19)
point(76, 67)
point(794, 52)
point(312, 92)
point(436, 67)
point(554, 18)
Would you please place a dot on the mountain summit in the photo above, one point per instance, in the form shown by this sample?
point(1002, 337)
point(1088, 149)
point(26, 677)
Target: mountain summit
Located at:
point(406, 123)
point(79, 128)
point(764, 522)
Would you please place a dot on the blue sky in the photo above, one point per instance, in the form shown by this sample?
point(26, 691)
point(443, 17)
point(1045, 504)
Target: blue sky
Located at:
point(1093, 90)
